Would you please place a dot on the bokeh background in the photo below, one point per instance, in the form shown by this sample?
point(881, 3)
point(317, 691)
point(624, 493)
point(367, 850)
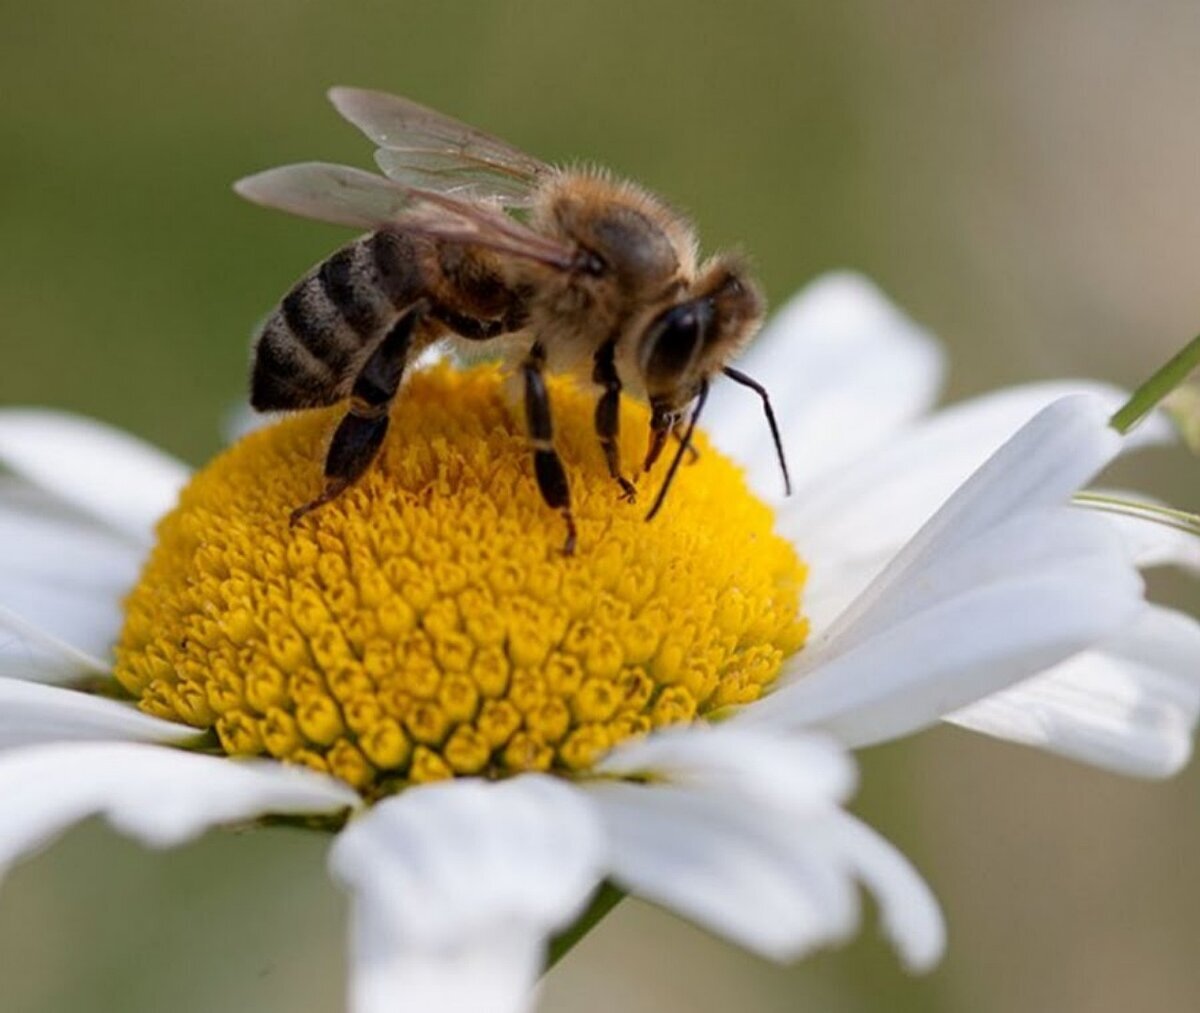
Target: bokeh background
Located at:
point(1022, 177)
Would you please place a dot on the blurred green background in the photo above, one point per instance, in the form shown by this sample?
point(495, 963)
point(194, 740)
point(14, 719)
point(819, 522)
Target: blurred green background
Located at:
point(1021, 176)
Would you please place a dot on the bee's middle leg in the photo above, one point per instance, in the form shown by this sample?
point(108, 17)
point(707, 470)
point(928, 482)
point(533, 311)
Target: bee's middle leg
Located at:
point(608, 415)
point(360, 434)
point(547, 465)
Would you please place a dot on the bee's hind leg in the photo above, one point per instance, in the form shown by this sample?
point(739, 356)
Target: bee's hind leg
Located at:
point(547, 465)
point(608, 415)
point(360, 434)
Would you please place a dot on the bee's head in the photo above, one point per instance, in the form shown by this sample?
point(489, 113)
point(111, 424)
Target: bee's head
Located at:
point(691, 340)
point(685, 345)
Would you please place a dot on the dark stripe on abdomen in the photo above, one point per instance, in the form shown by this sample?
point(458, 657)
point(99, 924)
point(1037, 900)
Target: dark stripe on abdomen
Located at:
point(287, 375)
point(313, 345)
point(397, 267)
point(347, 283)
point(317, 324)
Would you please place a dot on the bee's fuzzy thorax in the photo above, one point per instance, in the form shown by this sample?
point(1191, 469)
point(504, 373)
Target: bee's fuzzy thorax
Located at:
point(592, 189)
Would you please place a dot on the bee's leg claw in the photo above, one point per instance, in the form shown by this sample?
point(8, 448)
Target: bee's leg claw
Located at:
point(333, 489)
point(568, 548)
point(628, 490)
point(299, 513)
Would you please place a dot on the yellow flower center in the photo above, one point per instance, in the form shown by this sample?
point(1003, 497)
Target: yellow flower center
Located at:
point(426, 623)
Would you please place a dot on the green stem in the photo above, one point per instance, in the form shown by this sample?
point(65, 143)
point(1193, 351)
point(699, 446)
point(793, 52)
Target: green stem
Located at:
point(603, 901)
point(1180, 520)
point(1150, 393)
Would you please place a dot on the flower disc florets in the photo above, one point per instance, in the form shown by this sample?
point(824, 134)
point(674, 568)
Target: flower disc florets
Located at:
point(426, 623)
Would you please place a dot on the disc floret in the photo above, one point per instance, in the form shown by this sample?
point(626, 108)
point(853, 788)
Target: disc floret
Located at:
point(426, 625)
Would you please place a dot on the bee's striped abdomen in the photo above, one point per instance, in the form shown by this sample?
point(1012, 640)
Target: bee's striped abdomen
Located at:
point(314, 343)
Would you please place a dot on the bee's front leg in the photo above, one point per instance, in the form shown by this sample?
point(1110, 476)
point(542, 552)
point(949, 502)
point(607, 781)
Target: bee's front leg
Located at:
point(547, 465)
point(608, 415)
point(360, 434)
point(677, 431)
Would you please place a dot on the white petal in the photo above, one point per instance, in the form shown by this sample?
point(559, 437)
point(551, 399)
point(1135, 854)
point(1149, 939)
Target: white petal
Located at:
point(1062, 541)
point(31, 713)
point(29, 652)
point(906, 677)
point(114, 477)
point(1000, 584)
point(1150, 542)
point(496, 974)
point(65, 575)
point(844, 368)
point(86, 619)
point(796, 776)
point(44, 540)
point(753, 877)
point(160, 796)
point(911, 918)
point(1045, 462)
point(456, 887)
point(854, 521)
point(1129, 706)
point(760, 876)
point(796, 772)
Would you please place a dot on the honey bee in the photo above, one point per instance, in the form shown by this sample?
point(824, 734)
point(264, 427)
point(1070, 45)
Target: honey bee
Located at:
point(471, 240)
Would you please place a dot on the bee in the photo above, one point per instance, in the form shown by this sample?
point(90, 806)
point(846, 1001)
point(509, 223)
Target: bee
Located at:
point(470, 240)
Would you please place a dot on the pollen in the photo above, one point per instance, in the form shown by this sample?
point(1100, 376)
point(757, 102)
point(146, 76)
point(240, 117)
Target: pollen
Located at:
point(425, 624)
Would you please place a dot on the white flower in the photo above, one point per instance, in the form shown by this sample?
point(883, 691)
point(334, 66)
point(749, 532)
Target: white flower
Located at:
point(937, 592)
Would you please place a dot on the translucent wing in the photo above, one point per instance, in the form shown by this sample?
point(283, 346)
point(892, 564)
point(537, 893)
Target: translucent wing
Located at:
point(329, 193)
point(452, 174)
point(421, 148)
point(472, 224)
point(345, 196)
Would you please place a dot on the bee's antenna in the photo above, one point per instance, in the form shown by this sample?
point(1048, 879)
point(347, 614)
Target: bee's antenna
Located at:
point(683, 447)
point(738, 377)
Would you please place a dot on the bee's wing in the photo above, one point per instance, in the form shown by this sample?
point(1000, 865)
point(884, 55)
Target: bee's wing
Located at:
point(456, 174)
point(329, 193)
point(345, 196)
point(421, 148)
point(451, 220)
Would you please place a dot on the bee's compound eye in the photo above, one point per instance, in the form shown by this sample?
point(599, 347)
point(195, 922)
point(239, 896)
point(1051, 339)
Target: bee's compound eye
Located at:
point(673, 340)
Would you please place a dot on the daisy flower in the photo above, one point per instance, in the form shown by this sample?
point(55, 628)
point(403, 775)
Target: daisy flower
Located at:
point(504, 740)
